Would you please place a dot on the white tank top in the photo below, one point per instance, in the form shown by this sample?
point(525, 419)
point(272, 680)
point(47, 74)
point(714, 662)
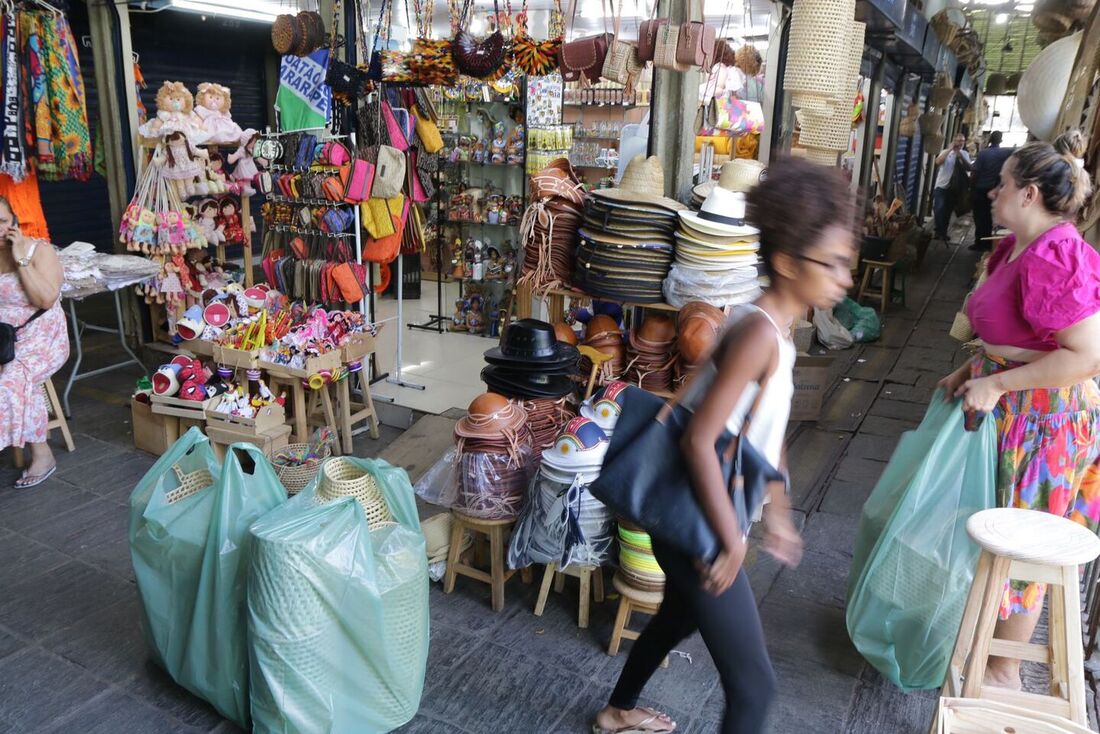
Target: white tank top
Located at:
point(768, 427)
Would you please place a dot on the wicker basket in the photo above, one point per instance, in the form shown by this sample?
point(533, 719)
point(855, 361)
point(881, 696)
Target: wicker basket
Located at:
point(826, 131)
point(818, 55)
point(947, 24)
point(996, 84)
point(822, 156)
point(961, 328)
point(295, 478)
point(342, 478)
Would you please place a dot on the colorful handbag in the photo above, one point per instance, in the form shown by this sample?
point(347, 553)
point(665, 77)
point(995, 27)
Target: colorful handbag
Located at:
point(395, 131)
point(432, 62)
point(385, 249)
point(428, 132)
point(479, 59)
point(345, 79)
point(534, 58)
point(334, 153)
point(358, 177)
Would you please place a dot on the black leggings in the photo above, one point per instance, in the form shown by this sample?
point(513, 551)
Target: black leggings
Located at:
point(730, 627)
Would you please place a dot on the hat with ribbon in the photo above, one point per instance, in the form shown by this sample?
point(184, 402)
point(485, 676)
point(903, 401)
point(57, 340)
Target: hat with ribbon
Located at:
point(722, 215)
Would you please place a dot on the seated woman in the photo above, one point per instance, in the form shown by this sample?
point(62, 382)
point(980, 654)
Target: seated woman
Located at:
point(30, 291)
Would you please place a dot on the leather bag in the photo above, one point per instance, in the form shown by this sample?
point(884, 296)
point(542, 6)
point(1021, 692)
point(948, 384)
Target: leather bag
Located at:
point(430, 138)
point(695, 43)
point(10, 334)
point(582, 60)
point(664, 55)
point(648, 33)
point(479, 59)
point(645, 477)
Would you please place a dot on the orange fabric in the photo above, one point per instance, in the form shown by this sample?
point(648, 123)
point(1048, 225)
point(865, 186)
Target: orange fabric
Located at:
point(26, 204)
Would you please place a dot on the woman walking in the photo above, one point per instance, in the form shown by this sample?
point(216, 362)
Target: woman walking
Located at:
point(1038, 316)
point(808, 259)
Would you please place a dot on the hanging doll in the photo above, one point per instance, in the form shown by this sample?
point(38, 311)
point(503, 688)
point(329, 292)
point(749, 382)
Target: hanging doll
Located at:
point(231, 221)
point(182, 164)
point(245, 171)
point(175, 114)
point(207, 220)
point(212, 104)
point(216, 181)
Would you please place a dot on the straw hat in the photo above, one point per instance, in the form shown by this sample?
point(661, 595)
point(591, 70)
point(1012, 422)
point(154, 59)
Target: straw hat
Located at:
point(643, 182)
point(739, 174)
point(722, 215)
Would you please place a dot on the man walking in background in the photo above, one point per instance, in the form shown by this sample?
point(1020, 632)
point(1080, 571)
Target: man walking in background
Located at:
point(942, 203)
point(987, 176)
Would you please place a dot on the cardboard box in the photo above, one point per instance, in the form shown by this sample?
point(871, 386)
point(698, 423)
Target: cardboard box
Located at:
point(358, 347)
point(811, 379)
point(329, 361)
point(148, 428)
point(267, 417)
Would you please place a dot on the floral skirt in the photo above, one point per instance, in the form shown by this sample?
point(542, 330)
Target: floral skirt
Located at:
point(1049, 460)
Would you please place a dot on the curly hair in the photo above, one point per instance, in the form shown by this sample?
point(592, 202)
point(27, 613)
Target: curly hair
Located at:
point(794, 204)
point(168, 90)
point(1056, 169)
point(209, 88)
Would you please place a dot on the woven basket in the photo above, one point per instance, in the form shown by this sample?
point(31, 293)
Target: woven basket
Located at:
point(664, 54)
point(342, 478)
point(930, 123)
point(947, 24)
point(818, 55)
point(295, 477)
point(822, 156)
point(996, 84)
point(826, 131)
point(933, 144)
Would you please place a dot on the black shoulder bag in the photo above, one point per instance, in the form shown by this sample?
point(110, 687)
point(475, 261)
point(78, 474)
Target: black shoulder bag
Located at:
point(10, 334)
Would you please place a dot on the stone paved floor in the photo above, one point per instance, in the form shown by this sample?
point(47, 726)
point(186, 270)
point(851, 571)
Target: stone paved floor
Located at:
point(72, 658)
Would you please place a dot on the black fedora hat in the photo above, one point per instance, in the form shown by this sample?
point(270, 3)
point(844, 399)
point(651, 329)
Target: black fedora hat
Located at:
point(518, 384)
point(532, 342)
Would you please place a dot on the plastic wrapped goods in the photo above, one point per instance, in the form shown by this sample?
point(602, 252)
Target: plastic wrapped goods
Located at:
point(562, 523)
point(190, 545)
point(338, 613)
point(914, 562)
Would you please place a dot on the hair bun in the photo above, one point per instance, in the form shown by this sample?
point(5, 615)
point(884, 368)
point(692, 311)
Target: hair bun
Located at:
point(1072, 143)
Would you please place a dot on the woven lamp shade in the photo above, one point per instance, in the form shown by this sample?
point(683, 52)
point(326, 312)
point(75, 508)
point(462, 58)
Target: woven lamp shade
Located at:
point(819, 47)
point(942, 92)
point(830, 128)
point(1044, 84)
point(822, 156)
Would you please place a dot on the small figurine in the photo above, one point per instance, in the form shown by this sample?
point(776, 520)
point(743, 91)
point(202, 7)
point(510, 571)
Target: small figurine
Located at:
point(458, 321)
point(212, 104)
point(208, 211)
point(498, 146)
point(479, 153)
point(475, 321)
point(494, 270)
point(514, 147)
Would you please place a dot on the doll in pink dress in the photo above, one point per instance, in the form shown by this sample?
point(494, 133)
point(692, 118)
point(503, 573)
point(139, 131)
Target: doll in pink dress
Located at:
point(245, 171)
point(212, 104)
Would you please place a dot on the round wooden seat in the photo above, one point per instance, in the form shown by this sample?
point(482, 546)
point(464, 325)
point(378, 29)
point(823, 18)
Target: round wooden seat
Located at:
point(1033, 537)
point(475, 522)
point(645, 598)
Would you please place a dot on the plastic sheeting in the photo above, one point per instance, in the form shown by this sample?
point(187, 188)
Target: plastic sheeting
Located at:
point(482, 485)
point(190, 545)
point(914, 562)
point(562, 523)
point(718, 288)
point(338, 614)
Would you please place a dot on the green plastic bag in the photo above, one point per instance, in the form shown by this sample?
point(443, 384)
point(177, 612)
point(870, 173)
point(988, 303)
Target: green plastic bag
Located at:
point(913, 561)
point(338, 613)
point(861, 321)
point(189, 539)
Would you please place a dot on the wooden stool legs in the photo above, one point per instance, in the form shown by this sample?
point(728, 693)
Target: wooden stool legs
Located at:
point(631, 600)
point(591, 578)
point(870, 267)
point(53, 408)
point(497, 574)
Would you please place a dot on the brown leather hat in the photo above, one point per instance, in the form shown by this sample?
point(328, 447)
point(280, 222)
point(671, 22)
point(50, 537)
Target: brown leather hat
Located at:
point(700, 323)
point(565, 333)
point(656, 333)
point(601, 324)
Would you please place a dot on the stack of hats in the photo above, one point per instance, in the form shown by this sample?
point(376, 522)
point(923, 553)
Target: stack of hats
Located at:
point(563, 523)
point(716, 252)
point(530, 362)
point(652, 353)
point(698, 327)
point(604, 334)
point(549, 227)
point(545, 418)
point(637, 563)
point(626, 242)
point(494, 446)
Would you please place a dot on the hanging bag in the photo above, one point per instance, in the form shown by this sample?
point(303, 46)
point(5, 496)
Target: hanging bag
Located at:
point(621, 64)
point(648, 33)
point(479, 59)
point(430, 138)
point(389, 173)
point(695, 42)
point(645, 477)
point(432, 61)
point(535, 58)
point(664, 55)
point(582, 60)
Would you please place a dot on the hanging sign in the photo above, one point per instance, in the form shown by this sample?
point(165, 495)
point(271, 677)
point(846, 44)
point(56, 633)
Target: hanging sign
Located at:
point(304, 101)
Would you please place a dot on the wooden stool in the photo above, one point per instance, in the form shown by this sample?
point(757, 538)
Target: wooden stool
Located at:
point(352, 411)
point(591, 586)
point(1029, 546)
point(631, 600)
point(497, 575)
point(53, 408)
point(302, 403)
point(321, 412)
point(969, 716)
point(870, 267)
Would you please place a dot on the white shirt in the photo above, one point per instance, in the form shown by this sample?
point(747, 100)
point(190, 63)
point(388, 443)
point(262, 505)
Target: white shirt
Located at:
point(947, 169)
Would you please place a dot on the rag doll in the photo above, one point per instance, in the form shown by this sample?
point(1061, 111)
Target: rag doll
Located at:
point(207, 220)
point(212, 105)
point(475, 320)
point(182, 164)
point(245, 171)
point(175, 114)
point(231, 221)
point(215, 174)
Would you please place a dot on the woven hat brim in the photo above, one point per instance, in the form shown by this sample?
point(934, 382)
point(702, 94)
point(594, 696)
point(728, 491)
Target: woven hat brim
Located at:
point(633, 197)
point(716, 229)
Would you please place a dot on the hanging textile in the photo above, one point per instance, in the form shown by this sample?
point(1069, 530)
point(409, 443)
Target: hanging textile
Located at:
point(304, 101)
point(13, 157)
point(57, 117)
point(26, 204)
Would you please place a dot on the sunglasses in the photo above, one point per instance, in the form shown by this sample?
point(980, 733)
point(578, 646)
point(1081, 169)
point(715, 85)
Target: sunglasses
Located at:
point(835, 267)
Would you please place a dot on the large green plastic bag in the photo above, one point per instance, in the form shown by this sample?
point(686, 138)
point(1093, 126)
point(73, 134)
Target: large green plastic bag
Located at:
point(913, 561)
point(338, 613)
point(190, 558)
point(861, 321)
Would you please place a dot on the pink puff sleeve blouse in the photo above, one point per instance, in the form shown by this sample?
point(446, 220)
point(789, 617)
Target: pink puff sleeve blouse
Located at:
point(1052, 285)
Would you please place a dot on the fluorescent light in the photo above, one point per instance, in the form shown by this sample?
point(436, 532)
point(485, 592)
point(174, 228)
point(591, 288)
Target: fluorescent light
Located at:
point(257, 10)
point(1000, 18)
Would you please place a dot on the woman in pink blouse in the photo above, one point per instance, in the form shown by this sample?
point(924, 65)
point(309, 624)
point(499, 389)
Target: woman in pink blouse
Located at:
point(1038, 316)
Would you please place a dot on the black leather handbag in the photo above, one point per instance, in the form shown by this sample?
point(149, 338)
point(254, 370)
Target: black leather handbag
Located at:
point(10, 334)
point(645, 476)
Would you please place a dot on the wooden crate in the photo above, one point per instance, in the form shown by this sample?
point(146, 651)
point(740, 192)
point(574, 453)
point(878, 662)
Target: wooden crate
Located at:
point(180, 408)
point(328, 361)
point(358, 347)
point(230, 357)
point(267, 417)
point(198, 347)
point(148, 428)
point(268, 441)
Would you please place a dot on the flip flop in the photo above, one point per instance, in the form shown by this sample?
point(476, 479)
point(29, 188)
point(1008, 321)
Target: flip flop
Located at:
point(33, 480)
point(641, 726)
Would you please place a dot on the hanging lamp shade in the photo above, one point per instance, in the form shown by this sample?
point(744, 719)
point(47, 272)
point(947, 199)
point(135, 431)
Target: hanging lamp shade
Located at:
point(1043, 86)
point(996, 84)
point(830, 127)
point(819, 47)
point(943, 91)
